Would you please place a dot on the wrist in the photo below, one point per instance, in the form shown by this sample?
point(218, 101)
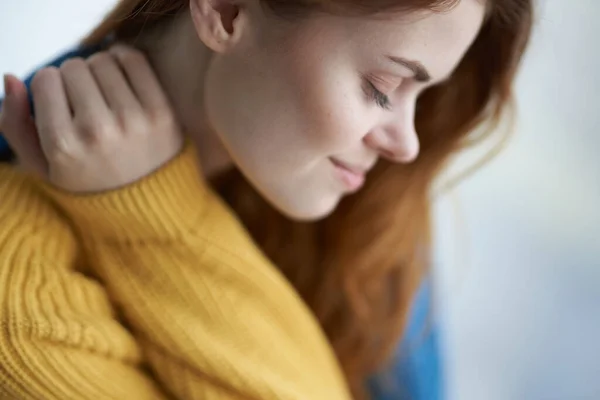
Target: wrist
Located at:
point(164, 204)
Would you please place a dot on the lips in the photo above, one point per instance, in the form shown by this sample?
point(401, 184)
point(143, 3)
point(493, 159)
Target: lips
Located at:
point(352, 177)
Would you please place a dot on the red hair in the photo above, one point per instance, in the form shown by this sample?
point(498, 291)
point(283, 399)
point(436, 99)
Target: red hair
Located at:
point(358, 268)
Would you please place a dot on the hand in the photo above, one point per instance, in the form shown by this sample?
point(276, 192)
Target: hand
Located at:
point(100, 123)
point(18, 127)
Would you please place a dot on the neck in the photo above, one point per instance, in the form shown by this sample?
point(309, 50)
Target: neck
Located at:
point(180, 61)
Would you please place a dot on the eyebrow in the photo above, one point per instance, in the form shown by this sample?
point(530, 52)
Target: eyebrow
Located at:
point(421, 74)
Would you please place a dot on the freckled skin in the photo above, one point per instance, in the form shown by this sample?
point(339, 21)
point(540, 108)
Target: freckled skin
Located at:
point(291, 96)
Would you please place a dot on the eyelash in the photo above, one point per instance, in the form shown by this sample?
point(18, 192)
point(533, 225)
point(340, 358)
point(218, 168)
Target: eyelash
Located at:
point(379, 98)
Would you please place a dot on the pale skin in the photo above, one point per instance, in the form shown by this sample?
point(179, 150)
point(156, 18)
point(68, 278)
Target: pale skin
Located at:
point(102, 123)
point(304, 109)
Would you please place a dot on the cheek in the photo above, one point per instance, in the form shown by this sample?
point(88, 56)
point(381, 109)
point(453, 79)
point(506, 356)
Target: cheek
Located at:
point(239, 106)
point(330, 101)
point(290, 110)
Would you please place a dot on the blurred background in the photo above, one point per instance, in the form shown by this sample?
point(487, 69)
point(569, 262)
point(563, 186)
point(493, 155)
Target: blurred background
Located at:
point(517, 272)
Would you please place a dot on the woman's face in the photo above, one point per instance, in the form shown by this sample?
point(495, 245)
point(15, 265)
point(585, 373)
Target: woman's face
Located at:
point(305, 109)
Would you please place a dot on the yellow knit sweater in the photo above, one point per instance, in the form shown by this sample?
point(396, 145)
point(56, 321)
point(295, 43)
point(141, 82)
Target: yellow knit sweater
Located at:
point(153, 291)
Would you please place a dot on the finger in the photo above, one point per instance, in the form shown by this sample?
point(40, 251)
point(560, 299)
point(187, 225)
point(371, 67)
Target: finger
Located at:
point(52, 113)
point(113, 84)
point(19, 129)
point(83, 92)
point(141, 76)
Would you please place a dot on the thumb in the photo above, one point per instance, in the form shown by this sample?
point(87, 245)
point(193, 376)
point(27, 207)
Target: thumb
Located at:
point(18, 126)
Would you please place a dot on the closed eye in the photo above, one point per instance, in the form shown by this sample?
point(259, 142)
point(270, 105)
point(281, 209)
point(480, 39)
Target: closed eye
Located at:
point(376, 96)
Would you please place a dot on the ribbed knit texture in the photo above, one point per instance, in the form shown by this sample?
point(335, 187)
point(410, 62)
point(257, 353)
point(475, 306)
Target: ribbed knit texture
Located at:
point(153, 291)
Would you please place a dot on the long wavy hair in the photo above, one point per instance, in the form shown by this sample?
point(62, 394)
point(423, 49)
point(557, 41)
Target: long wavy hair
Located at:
point(358, 268)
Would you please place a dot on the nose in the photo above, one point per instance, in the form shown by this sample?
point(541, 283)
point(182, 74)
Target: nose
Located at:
point(395, 138)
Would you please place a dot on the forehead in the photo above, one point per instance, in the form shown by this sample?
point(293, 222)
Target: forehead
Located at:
point(438, 40)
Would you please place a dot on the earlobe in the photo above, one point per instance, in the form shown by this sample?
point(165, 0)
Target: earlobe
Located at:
point(217, 22)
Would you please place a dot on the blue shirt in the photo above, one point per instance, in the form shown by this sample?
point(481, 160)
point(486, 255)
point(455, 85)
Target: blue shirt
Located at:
point(416, 373)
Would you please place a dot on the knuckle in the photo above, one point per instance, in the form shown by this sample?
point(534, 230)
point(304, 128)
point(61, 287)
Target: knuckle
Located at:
point(103, 60)
point(73, 64)
point(132, 56)
point(135, 123)
point(61, 150)
point(162, 119)
point(43, 76)
point(61, 145)
point(92, 132)
point(99, 59)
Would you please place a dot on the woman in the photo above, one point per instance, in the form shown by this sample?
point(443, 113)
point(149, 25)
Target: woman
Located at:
point(154, 290)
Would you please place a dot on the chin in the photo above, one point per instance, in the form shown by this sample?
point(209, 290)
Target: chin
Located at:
point(309, 212)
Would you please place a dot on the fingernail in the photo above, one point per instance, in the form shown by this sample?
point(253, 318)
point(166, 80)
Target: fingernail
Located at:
point(9, 84)
point(8, 88)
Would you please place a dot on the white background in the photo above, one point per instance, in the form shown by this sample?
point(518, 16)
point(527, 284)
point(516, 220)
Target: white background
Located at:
point(518, 243)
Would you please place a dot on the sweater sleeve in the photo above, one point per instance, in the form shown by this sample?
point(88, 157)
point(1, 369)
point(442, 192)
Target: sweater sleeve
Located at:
point(60, 338)
point(214, 317)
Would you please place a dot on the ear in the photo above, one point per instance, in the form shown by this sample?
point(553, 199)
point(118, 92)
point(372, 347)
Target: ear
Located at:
point(219, 23)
